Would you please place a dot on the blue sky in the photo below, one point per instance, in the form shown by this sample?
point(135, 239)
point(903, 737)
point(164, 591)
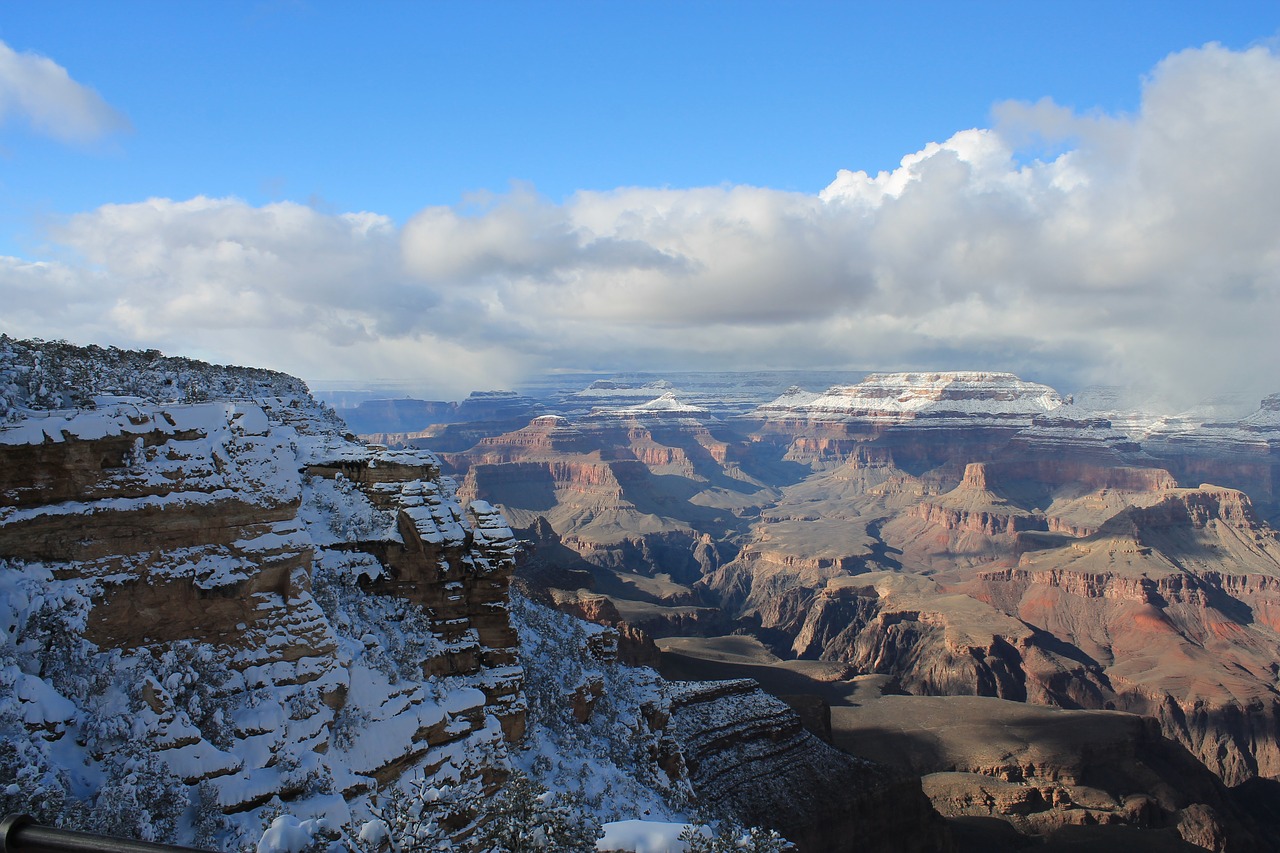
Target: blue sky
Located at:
point(393, 106)
point(401, 109)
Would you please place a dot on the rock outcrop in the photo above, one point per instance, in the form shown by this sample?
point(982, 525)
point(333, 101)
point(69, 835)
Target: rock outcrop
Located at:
point(953, 414)
point(640, 498)
point(747, 753)
point(1168, 610)
point(238, 597)
point(898, 397)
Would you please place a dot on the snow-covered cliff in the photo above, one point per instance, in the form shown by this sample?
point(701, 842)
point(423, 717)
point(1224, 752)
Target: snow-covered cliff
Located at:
point(968, 396)
point(217, 609)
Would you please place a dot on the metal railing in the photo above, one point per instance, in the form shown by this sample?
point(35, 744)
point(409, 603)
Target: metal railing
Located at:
point(21, 834)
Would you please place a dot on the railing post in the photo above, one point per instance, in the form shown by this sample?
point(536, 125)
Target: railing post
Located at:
point(9, 827)
point(20, 833)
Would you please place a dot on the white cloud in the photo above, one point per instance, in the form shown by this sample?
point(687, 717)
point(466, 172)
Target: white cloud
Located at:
point(41, 91)
point(1143, 249)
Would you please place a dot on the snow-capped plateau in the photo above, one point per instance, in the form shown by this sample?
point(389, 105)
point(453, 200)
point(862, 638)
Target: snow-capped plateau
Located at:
point(896, 397)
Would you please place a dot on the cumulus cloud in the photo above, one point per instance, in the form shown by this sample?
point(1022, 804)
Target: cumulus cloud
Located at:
point(1142, 249)
point(39, 90)
point(282, 286)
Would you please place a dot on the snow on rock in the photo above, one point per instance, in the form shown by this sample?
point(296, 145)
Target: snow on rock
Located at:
point(437, 520)
point(668, 403)
point(491, 529)
point(228, 625)
point(43, 708)
point(1258, 429)
point(1064, 429)
point(40, 376)
point(897, 397)
point(614, 389)
point(1240, 454)
point(288, 834)
point(607, 762)
point(747, 754)
point(219, 607)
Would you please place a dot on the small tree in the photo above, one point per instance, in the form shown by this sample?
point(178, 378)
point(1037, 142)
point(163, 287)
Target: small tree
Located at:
point(526, 817)
point(732, 837)
point(416, 820)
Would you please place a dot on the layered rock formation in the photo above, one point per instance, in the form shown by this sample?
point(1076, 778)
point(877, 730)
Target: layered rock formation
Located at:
point(480, 415)
point(637, 497)
point(1176, 602)
point(729, 747)
point(1051, 773)
point(962, 534)
point(1191, 645)
point(232, 600)
point(974, 412)
point(746, 752)
point(899, 397)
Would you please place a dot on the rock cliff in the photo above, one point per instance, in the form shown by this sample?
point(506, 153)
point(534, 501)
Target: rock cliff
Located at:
point(207, 589)
point(747, 753)
point(1051, 773)
point(896, 397)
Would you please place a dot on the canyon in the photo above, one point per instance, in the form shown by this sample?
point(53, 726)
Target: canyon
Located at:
point(227, 623)
point(995, 616)
point(958, 534)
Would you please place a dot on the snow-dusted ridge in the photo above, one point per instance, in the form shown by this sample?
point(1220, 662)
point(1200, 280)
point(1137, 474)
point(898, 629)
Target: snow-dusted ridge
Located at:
point(1065, 428)
point(218, 607)
point(899, 397)
point(664, 407)
point(610, 388)
point(1258, 427)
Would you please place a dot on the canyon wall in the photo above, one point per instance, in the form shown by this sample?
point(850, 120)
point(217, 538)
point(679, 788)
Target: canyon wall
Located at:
point(227, 604)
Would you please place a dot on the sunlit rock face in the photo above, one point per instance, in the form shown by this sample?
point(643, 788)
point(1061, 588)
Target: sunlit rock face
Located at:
point(1167, 609)
point(976, 546)
point(198, 572)
point(633, 498)
point(929, 527)
point(956, 534)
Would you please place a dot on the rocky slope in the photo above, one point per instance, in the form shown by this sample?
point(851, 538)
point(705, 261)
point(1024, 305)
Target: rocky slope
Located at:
point(909, 396)
point(216, 607)
point(727, 747)
point(637, 497)
point(1176, 602)
point(1051, 773)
